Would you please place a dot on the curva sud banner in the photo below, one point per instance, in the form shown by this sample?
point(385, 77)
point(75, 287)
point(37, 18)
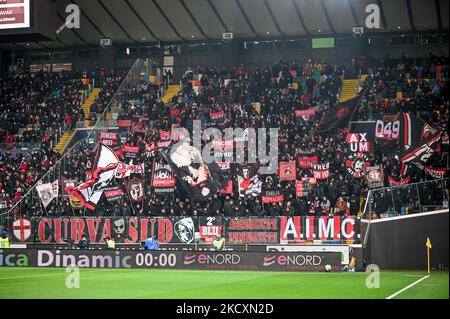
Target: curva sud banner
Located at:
point(261, 261)
point(188, 230)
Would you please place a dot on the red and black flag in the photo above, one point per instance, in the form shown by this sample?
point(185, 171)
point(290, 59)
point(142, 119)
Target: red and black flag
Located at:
point(418, 141)
point(339, 118)
point(321, 171)
point(217, 117)
point(198, 179)
point(287, 171)
point(163, 180)
point(105, 167)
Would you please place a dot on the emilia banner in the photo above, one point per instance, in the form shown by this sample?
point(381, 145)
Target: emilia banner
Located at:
point(261, 261)
point(188, 230)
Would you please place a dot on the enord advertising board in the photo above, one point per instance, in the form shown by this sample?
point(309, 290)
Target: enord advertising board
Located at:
point(260, 261)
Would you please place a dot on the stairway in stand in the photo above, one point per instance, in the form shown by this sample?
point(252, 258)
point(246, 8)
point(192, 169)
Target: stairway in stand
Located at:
point(171, 91)
point(63, 141)
point(349, 90)
point(88, 103)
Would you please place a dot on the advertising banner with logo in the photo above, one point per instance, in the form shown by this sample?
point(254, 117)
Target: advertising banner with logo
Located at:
point(210, 227)
point(251, 230)
point(323, 228)
point(208, 260)
point(186, 230)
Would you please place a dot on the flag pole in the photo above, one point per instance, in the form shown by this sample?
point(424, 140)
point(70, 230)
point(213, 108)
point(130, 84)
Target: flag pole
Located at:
point(428, 244)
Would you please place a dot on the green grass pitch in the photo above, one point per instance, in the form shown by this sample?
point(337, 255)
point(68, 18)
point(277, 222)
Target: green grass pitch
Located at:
point(193, 284)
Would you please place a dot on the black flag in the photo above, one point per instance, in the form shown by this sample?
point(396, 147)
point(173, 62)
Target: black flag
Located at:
point(339, 118)
point(199, 180)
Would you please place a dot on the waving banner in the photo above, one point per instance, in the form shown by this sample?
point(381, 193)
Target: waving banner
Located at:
point(199, 180)
point(306, 114)
point(249, 184)
point(339, 118)
point(109, 138)
point(302, 188)
point(136, 191)
point(394, 182)
point(163, 180)
point(306, 161)
point(125, 170)
point(47, 192)
point(357, 143)
point(113, 194)
point(356, 163)
point(217, 117)
point(272, 196)
point(321, 171)
point(164, 135)
point(374, 176)
point(105, 167)
point(129, 151)
point(287, 171)
point(436, 172)
point(418, 139)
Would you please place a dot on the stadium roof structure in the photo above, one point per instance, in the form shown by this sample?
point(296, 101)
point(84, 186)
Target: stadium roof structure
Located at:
point(147, 21)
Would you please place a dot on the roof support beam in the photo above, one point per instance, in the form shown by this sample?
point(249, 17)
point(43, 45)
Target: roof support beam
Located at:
point(272, 16)
point(299, 16)
point(383, 17)
point(438, 14)
point(246, 18)
point(193, 19)
point(115, 20)
point(353, 10)
point(141, 20)
point(214, 9)
point(410, 15)
point(90, 21)
point(327, 16)
point(167, 20)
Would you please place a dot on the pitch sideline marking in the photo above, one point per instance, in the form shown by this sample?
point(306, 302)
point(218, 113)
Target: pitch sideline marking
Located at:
point(407, 287)
point(33, 276)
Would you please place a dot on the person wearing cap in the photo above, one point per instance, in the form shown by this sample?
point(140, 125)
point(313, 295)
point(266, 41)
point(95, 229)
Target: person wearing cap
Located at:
point(4, 239)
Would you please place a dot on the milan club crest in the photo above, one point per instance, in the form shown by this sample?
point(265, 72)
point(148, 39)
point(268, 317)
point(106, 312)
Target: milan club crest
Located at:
point(22, 229)
point(136, 190)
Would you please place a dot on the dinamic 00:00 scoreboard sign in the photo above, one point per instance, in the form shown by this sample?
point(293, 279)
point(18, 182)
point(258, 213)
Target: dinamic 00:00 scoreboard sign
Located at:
point(14, 14)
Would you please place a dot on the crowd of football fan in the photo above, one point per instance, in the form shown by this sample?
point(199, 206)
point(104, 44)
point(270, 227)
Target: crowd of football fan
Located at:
point(424, 87)
point(33, 109)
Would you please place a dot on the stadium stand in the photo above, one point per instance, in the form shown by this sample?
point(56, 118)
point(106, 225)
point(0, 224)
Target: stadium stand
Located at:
point(268, 97)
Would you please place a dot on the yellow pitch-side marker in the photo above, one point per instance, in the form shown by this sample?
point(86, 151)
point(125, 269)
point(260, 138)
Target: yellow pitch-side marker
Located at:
point(428, 244)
